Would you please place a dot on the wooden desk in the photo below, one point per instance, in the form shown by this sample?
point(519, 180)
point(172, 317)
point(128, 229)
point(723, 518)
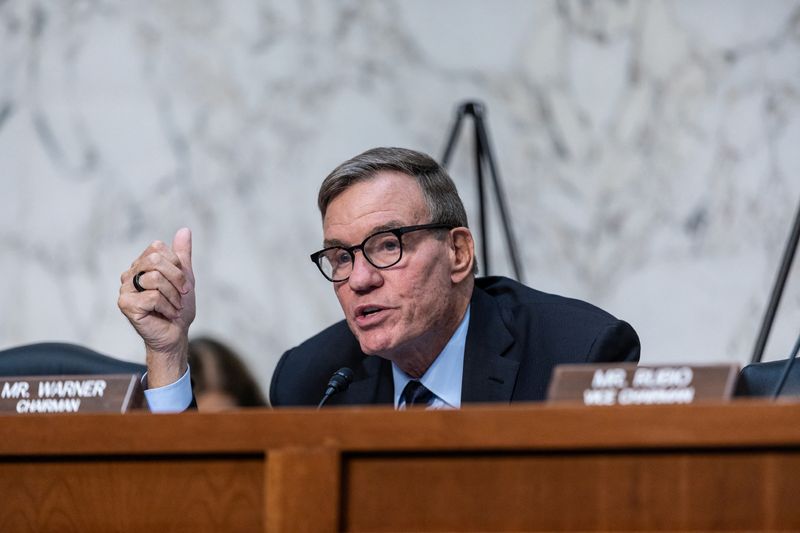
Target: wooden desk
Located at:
point(715, 467)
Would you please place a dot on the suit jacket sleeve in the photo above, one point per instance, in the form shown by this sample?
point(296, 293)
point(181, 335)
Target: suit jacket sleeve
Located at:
point(615, 343)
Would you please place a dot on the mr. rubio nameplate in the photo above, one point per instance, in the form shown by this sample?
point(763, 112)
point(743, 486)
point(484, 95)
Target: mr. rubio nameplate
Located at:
point(629, 384)
point(115, 393)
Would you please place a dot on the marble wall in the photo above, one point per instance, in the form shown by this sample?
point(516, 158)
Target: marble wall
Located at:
point(649, 151)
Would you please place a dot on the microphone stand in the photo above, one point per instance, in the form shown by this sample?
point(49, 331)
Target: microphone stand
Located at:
point(777, 289)
point(484, 160)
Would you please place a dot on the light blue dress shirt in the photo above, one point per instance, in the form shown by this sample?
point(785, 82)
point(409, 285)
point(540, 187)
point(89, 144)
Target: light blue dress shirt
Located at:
point(443, 378)
point(172, 398)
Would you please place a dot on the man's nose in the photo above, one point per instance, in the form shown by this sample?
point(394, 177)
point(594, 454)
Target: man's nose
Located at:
point(365, 275)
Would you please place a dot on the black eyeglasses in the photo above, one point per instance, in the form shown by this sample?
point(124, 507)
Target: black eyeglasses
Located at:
point(382, 249)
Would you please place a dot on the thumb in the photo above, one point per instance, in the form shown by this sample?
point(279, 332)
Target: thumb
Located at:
point(182, 246)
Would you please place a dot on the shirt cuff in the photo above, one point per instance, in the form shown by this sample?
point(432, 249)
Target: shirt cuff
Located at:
point(173, 398)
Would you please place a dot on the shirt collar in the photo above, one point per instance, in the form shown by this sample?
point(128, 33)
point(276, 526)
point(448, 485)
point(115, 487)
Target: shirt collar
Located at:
point(445, 374)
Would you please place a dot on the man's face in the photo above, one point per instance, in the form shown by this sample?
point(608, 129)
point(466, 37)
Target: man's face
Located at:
point(399, 311)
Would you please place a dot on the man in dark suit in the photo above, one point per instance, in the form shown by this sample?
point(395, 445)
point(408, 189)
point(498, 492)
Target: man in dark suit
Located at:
point(406, 296)
point(419, 328)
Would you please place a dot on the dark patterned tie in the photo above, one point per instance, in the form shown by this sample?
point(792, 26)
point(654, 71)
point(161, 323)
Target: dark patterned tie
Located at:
point(417, 395)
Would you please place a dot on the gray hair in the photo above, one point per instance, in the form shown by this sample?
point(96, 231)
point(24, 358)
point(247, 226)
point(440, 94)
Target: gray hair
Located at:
point(439, 191)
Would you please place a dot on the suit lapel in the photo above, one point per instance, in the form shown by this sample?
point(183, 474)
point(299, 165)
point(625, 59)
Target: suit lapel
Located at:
point(488, 375)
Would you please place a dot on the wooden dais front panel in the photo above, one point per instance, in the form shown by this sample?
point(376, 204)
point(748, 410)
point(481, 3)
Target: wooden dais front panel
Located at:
point(568, 491)
point(109, 494)
point(703, 467)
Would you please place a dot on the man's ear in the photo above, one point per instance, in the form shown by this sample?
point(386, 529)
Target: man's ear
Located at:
point(462, 254)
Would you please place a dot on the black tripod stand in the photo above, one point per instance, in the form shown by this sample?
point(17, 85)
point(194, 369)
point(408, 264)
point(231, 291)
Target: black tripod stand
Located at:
point(484, 160)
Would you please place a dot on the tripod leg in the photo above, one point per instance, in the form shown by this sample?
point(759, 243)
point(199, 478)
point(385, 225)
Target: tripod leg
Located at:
point(482, 139)
point(481, 200)
point(451, 141)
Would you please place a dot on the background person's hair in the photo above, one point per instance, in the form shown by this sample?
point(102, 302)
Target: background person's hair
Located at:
point(216, 367)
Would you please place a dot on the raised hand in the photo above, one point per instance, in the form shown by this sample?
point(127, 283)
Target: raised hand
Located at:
point(162, 307)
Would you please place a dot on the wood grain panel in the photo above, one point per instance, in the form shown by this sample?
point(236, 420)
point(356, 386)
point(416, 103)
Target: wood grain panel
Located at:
point(303, 488)
point(127, 494)
point(585, 491)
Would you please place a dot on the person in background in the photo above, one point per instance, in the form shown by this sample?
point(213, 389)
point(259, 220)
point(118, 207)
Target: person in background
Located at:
point(221, 379)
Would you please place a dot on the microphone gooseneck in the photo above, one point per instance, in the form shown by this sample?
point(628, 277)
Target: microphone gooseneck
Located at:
point(339, 382)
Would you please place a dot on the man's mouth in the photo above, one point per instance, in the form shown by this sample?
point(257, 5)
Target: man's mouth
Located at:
point(368, 314)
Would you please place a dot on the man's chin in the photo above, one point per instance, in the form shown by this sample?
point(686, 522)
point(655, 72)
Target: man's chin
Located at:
point(374, 350)
point(379, 347)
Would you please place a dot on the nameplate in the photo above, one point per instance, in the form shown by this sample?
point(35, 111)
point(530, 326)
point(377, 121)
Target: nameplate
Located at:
point(116, 393)
point(629, 384)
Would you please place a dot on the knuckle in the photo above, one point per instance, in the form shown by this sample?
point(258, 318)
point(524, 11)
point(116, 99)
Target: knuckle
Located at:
point(123, 302)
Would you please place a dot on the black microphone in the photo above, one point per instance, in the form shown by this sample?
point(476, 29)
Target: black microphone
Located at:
point(339, 382)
